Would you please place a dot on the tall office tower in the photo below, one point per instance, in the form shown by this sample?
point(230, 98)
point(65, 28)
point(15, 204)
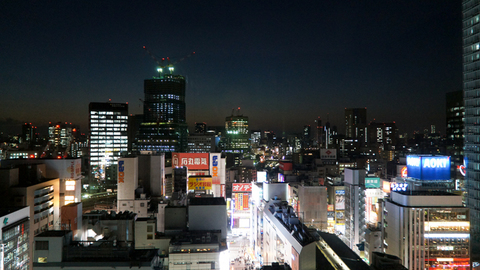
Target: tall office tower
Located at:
point(356, 128)
point(319, 131)
point(237, 134)
point(382, 138)
point(355, 121)
point(455, 127)
point(29, 135)
point(471, 88)
point(307, 136)
point(108, 135)
point(164, 127)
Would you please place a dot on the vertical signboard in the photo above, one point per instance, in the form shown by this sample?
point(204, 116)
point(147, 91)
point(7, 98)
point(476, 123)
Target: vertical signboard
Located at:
point(215, 160)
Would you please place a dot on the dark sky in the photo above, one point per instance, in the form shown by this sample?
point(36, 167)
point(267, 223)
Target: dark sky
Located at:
point(283, 62)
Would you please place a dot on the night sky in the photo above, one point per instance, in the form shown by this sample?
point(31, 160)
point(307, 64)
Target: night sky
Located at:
point(283, 62)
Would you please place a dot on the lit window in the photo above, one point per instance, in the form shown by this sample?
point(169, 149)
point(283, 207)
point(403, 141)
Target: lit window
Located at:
point(69, 199)
point(69, 185)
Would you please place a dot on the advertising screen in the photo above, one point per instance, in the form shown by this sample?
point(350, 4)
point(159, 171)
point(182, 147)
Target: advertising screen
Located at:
point(199, 183)
point(429, 167)
point(340, 199)
point(193, 161)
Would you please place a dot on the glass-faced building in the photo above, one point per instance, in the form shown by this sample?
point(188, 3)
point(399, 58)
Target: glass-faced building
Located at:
point(237, 134)
point(14, 238)
point(471, 88)
point(108, 135)
point(164, 127)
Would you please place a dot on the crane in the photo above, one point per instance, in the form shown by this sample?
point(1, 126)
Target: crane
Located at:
point(161, 66)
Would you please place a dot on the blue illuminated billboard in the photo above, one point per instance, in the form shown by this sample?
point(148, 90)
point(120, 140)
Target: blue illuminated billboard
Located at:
point(429, 167)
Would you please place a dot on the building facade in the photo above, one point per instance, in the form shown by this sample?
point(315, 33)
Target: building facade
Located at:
point(237, 138)
point(108, 135)
point(427, 230)
point(164, 127)
point(471, 87)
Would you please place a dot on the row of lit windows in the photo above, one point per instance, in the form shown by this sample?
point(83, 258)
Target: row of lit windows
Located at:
point(170, 96)
point(105, 112)
point(110, 117)
point(109, 141)
point(108, 125)
point(108, 129)
point(108, 121)
point(101, 151)
point(106, 145)
point(106, 133)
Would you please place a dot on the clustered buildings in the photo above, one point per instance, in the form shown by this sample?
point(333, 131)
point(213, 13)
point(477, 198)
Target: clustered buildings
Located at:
point(140, 191)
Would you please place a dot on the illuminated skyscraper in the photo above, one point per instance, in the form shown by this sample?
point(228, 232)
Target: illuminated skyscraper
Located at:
point(237, 134)
point(471, 88)
point(164, 127)
point(108, 135)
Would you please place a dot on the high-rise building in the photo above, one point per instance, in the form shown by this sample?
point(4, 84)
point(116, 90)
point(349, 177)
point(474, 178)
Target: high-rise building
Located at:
point(237, 134)
point(29, 135)
point(471, 88)
point(164, 127)
point(354, 208)
point(307, 136)
point(455, 117)
point(108, 135)
point(355, 122)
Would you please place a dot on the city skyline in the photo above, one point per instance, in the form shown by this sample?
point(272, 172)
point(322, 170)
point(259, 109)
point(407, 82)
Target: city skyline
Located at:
point(283, 64)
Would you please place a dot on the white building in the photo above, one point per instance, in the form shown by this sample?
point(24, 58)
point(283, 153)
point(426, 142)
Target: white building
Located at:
point(69, 172)
point(354, 208)
point(427, 229)
point(108, 135)
point(285, 239)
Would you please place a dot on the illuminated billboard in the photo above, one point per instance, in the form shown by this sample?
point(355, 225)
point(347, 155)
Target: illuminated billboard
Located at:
point(193, 161)
point(241, 187)
point(339, 199)
point(199, 183)
point(429, 167)
point(241, 201)
point(372, 182)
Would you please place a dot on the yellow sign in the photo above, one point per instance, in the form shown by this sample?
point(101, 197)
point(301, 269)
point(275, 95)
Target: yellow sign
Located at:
point(199, 183)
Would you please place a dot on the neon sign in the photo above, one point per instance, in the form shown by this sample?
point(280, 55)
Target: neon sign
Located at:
point(404, 172)
point(398, 186)
point(462, 168)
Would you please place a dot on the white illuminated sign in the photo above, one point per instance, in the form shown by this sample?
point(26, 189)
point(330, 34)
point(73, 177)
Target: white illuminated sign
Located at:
point(398, 186)
point(447, 235)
